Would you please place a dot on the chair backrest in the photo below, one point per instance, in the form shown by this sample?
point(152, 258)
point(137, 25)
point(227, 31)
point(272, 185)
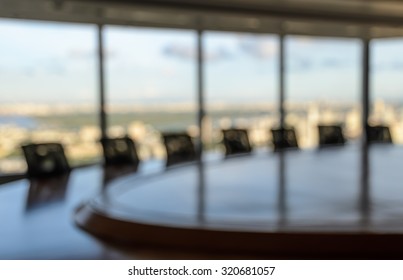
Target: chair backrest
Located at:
point(120, 151)
point(284, 138)
point(330, 135)
point(179, 148)
point(45, 159)
point(236, 141)
point(379, 134)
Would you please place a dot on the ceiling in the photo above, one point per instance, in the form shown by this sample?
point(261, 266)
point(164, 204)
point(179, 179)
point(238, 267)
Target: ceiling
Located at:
point(341, 18)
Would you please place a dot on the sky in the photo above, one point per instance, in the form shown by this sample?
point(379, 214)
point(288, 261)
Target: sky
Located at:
point(57, 63)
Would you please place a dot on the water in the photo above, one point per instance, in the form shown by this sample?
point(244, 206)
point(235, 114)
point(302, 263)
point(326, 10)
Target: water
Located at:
point(20, 121)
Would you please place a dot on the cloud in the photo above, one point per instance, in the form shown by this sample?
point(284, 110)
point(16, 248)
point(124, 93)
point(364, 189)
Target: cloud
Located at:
point(397, 65)
point(179, 51)
point(220, 53)
point(55, 68)
point(258, 47)
point(29, 71)
point(304, 64)
point(89, 54)
point(333, 63)
point(51, 66)
point(299, 64)
point(187, 52)
point(168, 71)
point(389, 65)
point(307, 64)
point(151, 92)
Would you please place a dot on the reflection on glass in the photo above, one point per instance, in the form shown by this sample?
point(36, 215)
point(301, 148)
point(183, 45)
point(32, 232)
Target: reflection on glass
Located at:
point(241, 85)
point(323, 86)
point(48, 90)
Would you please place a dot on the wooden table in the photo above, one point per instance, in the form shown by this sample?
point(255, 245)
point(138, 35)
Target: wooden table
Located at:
point(338, 202)
point(37, 217)
point(344, 202)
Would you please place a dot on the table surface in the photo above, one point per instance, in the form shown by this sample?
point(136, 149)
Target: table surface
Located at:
point(301, 190)
point(37, 217)
point(345, 189)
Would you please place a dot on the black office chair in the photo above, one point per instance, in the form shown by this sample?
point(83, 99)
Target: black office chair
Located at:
point(45, 159)
point(119, 151)
point(379, 134)
point(179, 148)
point(330, 135)
point(284, 138)
point(236, 141)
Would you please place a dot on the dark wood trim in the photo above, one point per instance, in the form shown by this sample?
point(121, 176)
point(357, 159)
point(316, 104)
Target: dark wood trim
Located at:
point(303, 12)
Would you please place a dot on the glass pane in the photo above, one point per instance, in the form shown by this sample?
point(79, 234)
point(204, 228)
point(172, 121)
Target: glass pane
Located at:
point(48, 90)
point(387, 86)
point(323, 86)
point(150, 85)
point(241, 85)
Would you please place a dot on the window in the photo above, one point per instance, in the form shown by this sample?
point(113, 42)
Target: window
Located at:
point(151, 85)
point(323, 86)
point(48, 90)
point(241, 82)
point(386, 87)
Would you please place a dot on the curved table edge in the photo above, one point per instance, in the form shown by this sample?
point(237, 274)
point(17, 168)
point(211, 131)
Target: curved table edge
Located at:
point(315, 243)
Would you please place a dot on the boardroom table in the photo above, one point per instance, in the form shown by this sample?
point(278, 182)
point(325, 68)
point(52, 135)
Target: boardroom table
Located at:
point(336, 202)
